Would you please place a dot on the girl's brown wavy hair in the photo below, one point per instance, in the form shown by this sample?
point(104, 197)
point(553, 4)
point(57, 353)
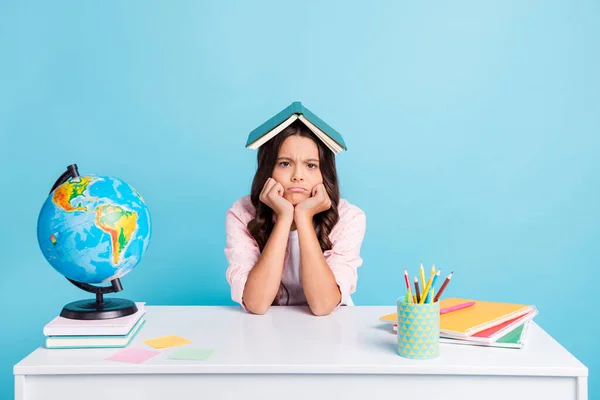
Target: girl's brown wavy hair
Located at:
point(262, 225)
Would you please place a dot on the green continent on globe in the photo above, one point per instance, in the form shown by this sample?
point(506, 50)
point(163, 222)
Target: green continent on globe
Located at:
point(70, 190)
point(119, 224)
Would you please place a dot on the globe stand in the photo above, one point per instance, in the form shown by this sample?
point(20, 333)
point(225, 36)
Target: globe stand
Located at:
point(99, 308)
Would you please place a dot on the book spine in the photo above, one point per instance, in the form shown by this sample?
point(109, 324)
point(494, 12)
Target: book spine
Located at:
point(296, 108)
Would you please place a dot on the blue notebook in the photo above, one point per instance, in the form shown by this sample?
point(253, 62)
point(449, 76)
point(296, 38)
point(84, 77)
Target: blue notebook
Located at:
point(296, 111)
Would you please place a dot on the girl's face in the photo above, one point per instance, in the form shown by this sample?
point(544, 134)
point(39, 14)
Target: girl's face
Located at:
point(297, 168)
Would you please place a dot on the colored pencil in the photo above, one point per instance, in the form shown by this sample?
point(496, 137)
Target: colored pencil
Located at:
point(446, 281)
point(422, 272)
point(435, 278)
point(407, 283)
point(456, 307)
point(417, 291)
point(424, 294)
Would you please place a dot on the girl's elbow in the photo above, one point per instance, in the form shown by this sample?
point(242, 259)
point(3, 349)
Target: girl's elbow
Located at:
point(255, 308)
point(321, 310)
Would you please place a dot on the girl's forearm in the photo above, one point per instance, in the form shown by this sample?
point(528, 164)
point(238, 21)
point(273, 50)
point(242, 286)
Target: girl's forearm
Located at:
point(265, 277)
point(320, 287)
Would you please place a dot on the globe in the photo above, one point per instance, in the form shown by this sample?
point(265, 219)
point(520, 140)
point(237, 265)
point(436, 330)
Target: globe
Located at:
point(94, 229)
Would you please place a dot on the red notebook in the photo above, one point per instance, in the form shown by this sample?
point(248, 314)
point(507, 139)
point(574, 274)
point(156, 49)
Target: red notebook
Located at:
point(494, 333)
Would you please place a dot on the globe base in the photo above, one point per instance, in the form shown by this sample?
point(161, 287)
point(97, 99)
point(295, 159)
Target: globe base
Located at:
point(91, 309)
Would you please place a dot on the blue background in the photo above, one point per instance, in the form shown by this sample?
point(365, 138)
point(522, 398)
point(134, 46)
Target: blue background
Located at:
point(473, 132)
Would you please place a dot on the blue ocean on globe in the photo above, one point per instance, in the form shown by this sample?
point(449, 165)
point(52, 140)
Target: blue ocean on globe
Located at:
point(94, 229)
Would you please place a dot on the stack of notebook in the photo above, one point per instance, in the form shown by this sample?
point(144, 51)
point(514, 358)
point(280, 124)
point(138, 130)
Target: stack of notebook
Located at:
point(64, 333)
point(485, 323)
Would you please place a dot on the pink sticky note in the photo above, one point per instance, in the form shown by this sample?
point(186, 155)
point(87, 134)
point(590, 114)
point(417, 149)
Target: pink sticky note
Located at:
point(133, 355)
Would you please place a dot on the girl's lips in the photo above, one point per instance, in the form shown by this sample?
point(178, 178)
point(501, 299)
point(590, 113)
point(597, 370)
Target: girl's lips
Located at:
point(297, 189)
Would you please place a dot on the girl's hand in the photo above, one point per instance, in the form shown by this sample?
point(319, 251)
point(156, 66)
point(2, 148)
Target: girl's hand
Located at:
point(272, 196)
point(318, 202)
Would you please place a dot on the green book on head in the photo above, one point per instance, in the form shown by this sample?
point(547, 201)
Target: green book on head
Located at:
point(296, 111)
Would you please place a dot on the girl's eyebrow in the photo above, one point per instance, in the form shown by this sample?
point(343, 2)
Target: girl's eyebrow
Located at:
point(311, 160)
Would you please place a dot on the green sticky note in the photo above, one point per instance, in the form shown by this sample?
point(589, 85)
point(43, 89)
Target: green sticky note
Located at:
point(191, 353)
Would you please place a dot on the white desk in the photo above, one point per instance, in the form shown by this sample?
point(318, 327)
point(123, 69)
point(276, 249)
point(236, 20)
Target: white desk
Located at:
point(289, 354)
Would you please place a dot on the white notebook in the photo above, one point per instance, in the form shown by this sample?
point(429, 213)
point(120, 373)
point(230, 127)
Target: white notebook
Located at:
point(82, 342)
point(61, 326)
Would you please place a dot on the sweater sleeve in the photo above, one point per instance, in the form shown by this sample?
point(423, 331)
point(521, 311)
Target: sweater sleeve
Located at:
point(344, 257)
point(241, 250)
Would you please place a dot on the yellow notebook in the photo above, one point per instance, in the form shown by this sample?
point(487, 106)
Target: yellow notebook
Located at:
point(474, 319)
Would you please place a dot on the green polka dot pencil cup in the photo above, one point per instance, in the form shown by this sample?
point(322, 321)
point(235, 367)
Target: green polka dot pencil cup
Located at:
point(418, 329)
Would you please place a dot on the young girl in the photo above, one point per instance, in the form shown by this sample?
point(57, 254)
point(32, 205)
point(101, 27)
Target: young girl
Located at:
point(293, 241)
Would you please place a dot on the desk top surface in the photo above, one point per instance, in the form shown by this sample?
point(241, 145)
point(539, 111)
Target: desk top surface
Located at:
point(351, 340)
